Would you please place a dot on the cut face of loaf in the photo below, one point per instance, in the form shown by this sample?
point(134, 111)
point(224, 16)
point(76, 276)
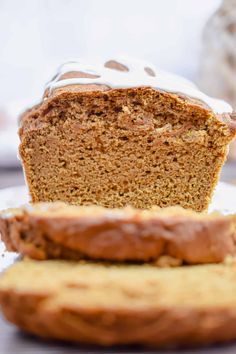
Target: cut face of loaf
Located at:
point(167, 236)
point(89, 144)
point(128, 304)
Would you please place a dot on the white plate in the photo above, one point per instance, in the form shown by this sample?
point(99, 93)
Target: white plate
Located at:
point(224, 201)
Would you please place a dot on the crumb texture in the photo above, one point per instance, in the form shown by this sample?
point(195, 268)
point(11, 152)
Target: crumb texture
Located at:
point(88, 144)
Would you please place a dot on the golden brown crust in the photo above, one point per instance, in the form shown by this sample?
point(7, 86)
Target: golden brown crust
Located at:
point(75, 311)
point(70, 91)
point(61, 231)
point(106, 328)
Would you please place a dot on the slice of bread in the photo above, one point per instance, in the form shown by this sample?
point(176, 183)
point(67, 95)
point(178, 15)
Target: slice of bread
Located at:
point(125, 304)
point(124, 134)
point(170, 235)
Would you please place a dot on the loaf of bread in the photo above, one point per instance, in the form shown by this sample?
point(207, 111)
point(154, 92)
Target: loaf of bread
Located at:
point(168, 236)
point(125, 304)
point(122, 134)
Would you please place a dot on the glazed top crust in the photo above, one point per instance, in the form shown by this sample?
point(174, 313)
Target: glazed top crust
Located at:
point(123, 73)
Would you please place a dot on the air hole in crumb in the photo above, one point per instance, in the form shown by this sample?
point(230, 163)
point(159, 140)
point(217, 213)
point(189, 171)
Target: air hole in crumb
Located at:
point(149, 71)
point(37, 245)
point(131, 94)
point(62, 162)
point(175, 159)
point(74, 189)
point(148, 172)
point(124, 138)
point(23, 236)
point(118, 109)
point(105, 97)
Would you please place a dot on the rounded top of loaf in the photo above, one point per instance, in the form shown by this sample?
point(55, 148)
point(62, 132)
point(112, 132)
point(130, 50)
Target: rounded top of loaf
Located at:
point(128, 73)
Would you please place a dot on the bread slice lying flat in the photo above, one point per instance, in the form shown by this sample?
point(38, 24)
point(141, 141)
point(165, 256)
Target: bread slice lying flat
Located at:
point(122, 304)
point(57, 230)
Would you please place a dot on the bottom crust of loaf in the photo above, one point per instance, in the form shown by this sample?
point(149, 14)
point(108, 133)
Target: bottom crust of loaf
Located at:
point(122, 304)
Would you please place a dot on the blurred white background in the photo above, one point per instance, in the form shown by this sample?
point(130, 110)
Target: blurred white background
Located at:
point(36, 36)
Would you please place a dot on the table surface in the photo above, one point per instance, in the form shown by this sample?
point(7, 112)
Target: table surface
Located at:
point(13, 341)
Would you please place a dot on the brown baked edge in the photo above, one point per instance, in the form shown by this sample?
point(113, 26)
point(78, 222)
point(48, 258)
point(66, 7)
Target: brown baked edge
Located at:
point(186, 239)
point(161, 328)
point(41, 108)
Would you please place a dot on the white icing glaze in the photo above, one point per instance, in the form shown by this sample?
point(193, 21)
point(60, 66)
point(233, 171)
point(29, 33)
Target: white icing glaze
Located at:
point(135, 77)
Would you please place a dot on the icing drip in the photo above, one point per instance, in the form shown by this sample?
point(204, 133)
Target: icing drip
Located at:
point(139, 73)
